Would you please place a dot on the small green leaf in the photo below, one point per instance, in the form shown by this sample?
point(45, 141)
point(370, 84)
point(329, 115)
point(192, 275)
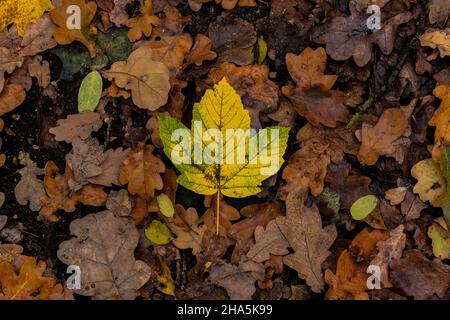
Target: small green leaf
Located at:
point(90, 92)
point(262, 50)
point(165, 205)
point(158, 233)
point(362, 207)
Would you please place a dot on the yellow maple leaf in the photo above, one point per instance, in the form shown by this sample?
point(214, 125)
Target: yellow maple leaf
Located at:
point(22, 13)
point(221, 154)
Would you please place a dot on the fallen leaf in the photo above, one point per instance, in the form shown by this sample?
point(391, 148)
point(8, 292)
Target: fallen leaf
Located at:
point(142, 171)
point(9, 252)
point(312, 97)
point(201, 50)
point(40, 70)
point(142, 24)
point(29, 283)
point(173, 23)
point(90, 92)
point(113, 160)
point(147, 79)
point(439, 39)
point(165, 205)
point(12, 96)
point(440, 238)
point(59, 195)
point(430, 184)
point(439, 11)
point(77, 126)
point(30, 189)
point(396, 195)
point(389, 250)
point(238, 281)
point(362, 207)
point(119, 203)
point(378, 140)
point(84, 161)
point(158, 233)
point(256, 215)
point(440, 121)
point(109, 271)
point(63, 17)
point(419, 277)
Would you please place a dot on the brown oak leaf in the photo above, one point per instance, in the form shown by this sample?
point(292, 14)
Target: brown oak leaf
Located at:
point(142, 171)
point(30, 189)
point(113, 160)
point(201, 50)
point(312, 97)
point(78, 125)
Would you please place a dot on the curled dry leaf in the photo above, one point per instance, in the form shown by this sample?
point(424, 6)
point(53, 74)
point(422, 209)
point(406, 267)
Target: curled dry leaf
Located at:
point(29, 283)
point(103, 248)
point(30, 189)
point(142, 171)
point(77, 126)
point(60, 196)
point(379, 139)
point(63, 17)
point(147, 79)
point(312, 97)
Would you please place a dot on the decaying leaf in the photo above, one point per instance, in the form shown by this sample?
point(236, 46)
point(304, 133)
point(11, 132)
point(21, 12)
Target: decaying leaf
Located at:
point(147, 79)
point(9, 252)
point(77, 126)
point(11, 97)
point(440, 237)
point(420, 277)
point(188, 228)
point(142, 24)
point(378, 140)
point(312, 97)
point(103, 248)
point(439, 39)
point(142, 171)
point(66, 18)
point(60, 196)
point(430, 184)
point(201, 50)
point(113, 160)
point(238, 281)
point(29, 283)
point(30, 189)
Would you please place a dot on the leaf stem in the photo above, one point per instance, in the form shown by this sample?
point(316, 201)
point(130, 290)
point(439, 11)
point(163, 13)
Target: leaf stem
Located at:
point(218, 213)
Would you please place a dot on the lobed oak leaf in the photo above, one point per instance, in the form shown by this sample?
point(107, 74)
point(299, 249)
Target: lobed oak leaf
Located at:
point(147, 79)
point(103, 248)
point(379, 139)
point(29, 190)
point(142, 171)
point(59, 195)
point(201, 50)
point(142, 24)
point(188, 228)
point(174, 22)
point(119, 203)
point(9, 61)
point(40, 69)
point(256, 215)
point(77, 126)
point(29, 283)
point(61, 15)
point(440, 120)
point(84, 161)
point(312, 97)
